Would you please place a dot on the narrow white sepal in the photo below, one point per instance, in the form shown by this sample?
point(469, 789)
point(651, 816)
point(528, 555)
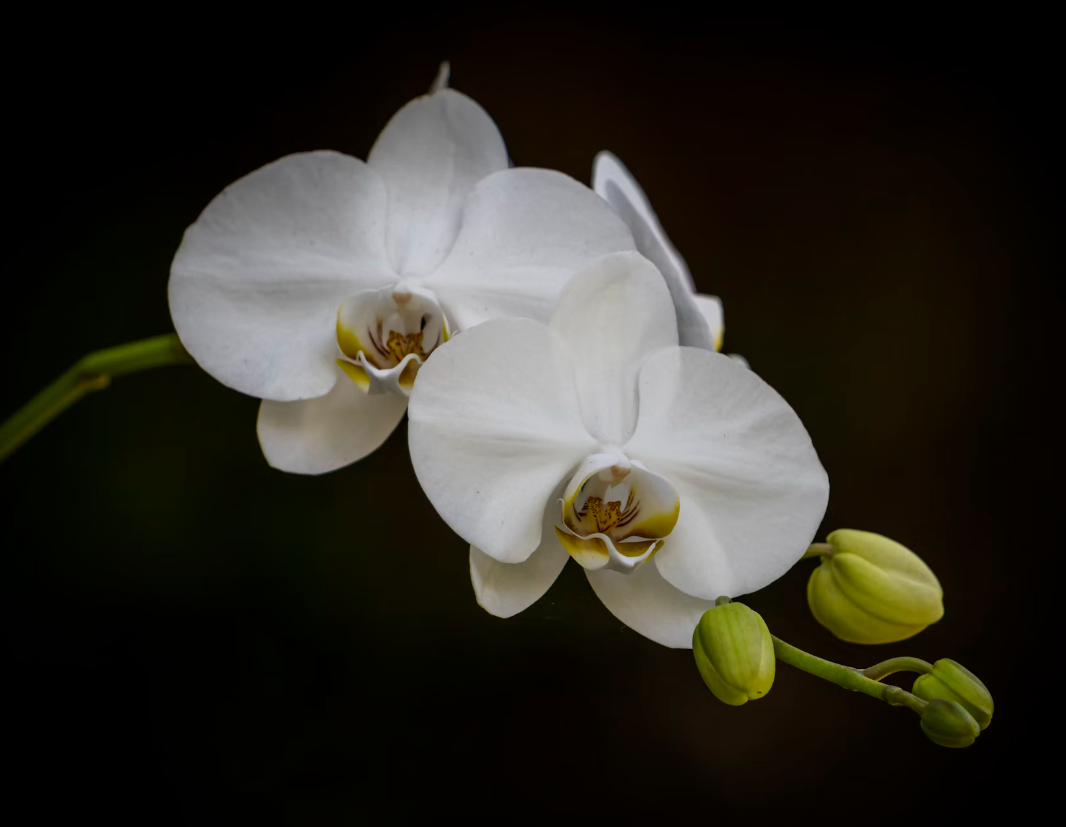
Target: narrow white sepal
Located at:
point(648, 604)
point(505, 589)
point(616, 185)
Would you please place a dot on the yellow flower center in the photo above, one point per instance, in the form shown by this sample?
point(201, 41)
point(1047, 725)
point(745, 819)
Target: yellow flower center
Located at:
point(377, 330)
point(598, 517)
point(399, 345)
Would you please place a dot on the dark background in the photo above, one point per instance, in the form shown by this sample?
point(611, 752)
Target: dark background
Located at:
point(188, 626)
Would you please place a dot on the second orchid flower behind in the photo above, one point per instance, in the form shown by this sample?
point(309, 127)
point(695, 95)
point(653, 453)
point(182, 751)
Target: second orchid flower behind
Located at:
point(321, 284)
point(673, 475)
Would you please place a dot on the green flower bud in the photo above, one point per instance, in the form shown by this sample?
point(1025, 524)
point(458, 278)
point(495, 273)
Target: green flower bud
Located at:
point(949, 725)
point(734, 653)
point(870, 589)
point(951, 681)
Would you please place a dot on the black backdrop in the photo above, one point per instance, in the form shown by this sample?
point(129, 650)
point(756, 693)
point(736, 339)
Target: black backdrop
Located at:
point(188, 626)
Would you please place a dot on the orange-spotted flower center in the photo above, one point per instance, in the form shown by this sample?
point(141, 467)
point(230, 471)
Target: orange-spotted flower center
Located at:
point(399, 345)
point(601, 517)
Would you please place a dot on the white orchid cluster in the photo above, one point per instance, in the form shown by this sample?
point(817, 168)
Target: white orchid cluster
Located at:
point(562, 378)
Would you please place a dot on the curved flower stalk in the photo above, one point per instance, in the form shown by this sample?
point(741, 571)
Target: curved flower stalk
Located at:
point(319, 266)
point(671, 474)
point(700, 318)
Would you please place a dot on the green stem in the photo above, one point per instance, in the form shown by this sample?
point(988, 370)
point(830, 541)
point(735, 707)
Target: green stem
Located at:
point(880, 671)
point(91, 373)
point(847, 677)
point(819, 550)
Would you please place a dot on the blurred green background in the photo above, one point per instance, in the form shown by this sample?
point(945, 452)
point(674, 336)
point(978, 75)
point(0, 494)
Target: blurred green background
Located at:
point(188, 625)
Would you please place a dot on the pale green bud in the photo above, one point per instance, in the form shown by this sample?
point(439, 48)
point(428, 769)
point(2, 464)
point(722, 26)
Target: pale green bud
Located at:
point(734, 653)
point(870, 589)
point(951, 681)
point(946, 723)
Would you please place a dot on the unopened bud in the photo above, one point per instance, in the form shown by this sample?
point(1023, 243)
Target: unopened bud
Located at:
point(734, 653)
point(951, 681)
point(946, 723)
point(870, 589)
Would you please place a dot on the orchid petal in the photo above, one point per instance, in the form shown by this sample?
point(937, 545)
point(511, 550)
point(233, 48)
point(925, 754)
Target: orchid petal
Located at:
point(752, 489)
point(616, 185)
point(430, 155)
point(494, 426)
point(648, 604)
point(318, 435)
point(524, 233)
point(505, 589)
point(710, 308)
point(255, 285)
point(611, 316)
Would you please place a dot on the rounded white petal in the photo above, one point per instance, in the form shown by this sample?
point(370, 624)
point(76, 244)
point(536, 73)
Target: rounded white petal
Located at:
point(710, 308)
point(314, 436)
point(255, 285)
point(616, 185)
point(611, 317)
point(494, 427)
point(430, 155)
point(505, 589)
point(647, 604)
point(525, 232)
point(752, 489)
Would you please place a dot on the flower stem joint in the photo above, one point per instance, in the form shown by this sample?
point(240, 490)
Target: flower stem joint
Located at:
point(870, 589)
point(734, 653)
point(951, 681)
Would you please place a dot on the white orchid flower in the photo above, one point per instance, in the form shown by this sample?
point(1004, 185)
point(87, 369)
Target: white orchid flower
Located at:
point(671, 474)
point(320, 265)
point(700, 318)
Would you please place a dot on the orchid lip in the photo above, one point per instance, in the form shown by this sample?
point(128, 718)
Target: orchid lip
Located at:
point(616, 513)
point(387, 334)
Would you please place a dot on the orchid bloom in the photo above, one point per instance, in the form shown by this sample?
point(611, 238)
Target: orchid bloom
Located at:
point(321, 284)
point(672, 474)
point(700, 318)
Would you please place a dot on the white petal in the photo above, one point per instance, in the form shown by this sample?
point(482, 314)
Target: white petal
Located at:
point(255, 285)
point(318, 435)
point(752, 489)
point(494, 428)
point(611, 316)
point(710, 308)
point(525, 233)
point(505, 589)
point(647, 604)
point(620, 189)
point(430, 155)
